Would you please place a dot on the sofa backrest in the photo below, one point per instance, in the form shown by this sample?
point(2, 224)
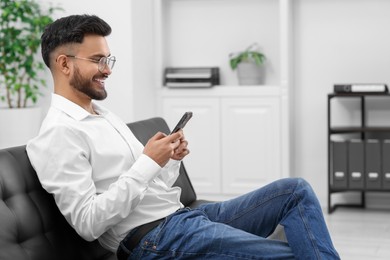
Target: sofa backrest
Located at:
point(31, 226)
point(144, 130)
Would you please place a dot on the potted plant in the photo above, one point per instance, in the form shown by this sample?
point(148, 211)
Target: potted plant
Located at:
point(21, 25)
point(248, 64)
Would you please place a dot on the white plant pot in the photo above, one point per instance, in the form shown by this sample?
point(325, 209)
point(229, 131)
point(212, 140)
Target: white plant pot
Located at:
point(18, 125)
point(249, 74)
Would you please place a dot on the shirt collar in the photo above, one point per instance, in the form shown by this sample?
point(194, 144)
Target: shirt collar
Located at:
point(72, 109)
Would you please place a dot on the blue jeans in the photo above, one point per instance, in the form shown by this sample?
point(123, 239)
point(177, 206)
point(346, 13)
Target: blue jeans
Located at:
point(237, 228)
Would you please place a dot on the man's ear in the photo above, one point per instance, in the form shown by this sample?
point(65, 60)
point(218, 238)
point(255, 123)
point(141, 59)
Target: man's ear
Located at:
point(62, 64)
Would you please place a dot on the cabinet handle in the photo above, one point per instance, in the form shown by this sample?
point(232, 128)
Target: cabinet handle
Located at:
point(339, 174)
point(356, 175)
point(373, 175)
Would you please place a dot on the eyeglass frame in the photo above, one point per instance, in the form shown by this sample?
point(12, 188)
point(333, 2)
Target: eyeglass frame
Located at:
point(101, 63)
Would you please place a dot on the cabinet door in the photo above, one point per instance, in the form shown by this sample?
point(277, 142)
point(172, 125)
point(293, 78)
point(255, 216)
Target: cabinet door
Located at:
point(202, 133)
point(251, 141)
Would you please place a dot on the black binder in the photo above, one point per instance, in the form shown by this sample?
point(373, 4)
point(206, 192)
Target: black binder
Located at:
point(386, 164)
point(356, 164)
point(373, 164)
point(339, 165)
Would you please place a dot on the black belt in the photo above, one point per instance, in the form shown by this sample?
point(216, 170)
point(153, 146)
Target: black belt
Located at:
point(135, 238)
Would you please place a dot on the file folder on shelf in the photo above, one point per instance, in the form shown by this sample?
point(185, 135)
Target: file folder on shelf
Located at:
point(356, 164)
point(373, 164)
point(339, 164)
point(386, 164)
point(361, 88)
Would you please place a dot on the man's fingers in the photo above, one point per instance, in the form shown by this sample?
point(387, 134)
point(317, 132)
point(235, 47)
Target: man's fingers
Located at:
point(158, 136)
point(175, 136)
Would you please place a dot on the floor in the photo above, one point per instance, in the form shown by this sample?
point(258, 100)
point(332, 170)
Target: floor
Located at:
point(360, 234)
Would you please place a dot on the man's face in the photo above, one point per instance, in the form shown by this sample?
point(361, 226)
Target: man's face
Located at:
point(86, 78)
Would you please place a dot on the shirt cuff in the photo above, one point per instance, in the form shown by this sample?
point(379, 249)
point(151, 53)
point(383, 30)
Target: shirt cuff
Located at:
point(172, 163)
point(145, 169)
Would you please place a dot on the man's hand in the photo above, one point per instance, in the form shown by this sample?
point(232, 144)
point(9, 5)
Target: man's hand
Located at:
point(162, 147)
point(181, 151)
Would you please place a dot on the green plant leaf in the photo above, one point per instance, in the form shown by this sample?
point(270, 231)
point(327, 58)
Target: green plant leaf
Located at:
point(250, 54)
point(21, 25)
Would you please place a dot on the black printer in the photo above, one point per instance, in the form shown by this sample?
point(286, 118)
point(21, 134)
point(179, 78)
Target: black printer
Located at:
point(194, 77)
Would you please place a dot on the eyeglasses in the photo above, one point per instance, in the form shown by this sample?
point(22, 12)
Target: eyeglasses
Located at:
point(102, 62)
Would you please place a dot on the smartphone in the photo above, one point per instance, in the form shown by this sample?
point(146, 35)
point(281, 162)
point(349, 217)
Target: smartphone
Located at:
point(183, 121)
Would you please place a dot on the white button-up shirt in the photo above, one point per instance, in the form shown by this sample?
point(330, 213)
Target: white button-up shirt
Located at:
point(101, 181)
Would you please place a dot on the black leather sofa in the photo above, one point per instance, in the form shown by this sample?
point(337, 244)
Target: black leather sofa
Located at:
point(31, 226)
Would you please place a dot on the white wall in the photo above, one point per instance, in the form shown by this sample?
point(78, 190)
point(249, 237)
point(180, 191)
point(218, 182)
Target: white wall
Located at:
point(334, 42)
point(143, 80)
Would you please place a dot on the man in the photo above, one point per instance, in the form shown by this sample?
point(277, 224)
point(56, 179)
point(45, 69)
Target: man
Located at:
point(111, 188)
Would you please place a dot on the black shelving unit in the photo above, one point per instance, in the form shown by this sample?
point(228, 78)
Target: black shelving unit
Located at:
point(362, 131)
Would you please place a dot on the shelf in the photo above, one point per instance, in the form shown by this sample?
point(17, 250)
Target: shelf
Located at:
point(347, 130)
point(358, 94)
point(345, 156)
point(334, 190)
point(223, 90)
point(181, 39)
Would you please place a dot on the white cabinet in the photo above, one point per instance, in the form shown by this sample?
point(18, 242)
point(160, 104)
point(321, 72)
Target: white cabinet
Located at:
point(202, 132)
point(250, 134)
point(235, 137)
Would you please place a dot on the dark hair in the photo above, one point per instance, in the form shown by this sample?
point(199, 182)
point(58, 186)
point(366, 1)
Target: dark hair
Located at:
point(70, 29)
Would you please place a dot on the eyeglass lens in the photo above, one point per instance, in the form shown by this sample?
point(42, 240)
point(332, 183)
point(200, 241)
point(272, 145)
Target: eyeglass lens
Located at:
point(109, 61)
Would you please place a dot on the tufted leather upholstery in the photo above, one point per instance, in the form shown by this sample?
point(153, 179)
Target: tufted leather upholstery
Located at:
point(31, 226)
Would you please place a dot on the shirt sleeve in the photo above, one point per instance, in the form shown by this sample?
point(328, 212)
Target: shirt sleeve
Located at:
point(61, 160)
point(170, 172)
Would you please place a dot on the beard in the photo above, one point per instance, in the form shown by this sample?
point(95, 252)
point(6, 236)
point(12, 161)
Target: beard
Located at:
point(85, 86)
